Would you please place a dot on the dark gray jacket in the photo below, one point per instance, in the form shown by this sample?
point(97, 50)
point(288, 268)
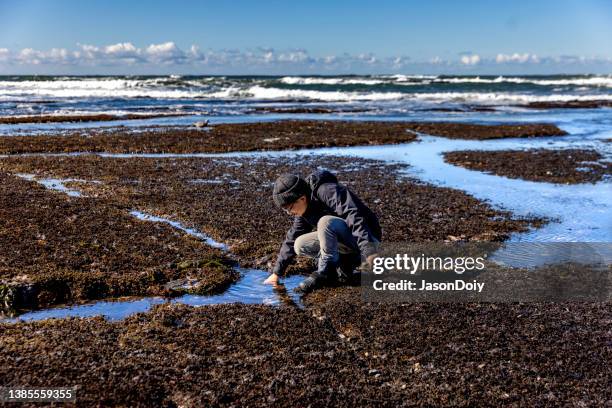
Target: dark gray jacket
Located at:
point(328, 197)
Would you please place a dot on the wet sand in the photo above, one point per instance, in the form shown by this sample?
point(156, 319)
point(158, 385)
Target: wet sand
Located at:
point(339, 351)
point(569, 166)
point(262, 136)
point(55, 248)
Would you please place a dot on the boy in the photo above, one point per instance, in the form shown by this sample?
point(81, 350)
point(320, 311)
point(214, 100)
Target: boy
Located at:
point(330, 223)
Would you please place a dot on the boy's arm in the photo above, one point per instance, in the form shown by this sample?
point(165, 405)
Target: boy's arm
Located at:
point(287, 253)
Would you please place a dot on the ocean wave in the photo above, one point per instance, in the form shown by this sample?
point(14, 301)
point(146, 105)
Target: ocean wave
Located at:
point(262, 93)
point(399, 79)
point(597, 81)
point(114, 112)
point(71, 93)
point(505, 97)
point(228, 88)
point(408, 78)
point(330, 81)
point(258, 92)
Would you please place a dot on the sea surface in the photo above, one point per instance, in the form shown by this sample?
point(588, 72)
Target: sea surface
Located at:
point(378, 95)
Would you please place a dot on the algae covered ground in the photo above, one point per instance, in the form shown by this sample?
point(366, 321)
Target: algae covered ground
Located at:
point(289, 134)
point(567, 166)
point(336, 349)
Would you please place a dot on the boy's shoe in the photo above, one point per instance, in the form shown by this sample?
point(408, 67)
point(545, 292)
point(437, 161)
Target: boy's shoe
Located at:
point(346, 268)
point(314, 281)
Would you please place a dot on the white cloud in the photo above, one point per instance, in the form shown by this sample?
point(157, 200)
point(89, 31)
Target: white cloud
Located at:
point(296, 56)
point(167, 53)
point(330, 59)
point(122, 50)
point(517, 58)
point(267, 60)
point(367, 58)
point(4, 54)
point(471, 59)
point(399, 62)
point(114, 54)
point(29, 56)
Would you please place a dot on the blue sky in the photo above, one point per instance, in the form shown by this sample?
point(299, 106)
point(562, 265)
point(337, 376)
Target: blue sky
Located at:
point(327, 37)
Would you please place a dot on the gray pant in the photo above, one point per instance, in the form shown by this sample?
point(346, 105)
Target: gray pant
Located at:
point(332, 238)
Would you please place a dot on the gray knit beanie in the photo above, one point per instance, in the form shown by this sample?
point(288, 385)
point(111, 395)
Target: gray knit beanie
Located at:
point(288, 188)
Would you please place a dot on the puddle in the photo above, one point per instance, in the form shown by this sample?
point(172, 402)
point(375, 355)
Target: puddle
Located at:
point(249, 289)
point(57, 184)
point(199, 235)
point(214, 181)
point(110, 309)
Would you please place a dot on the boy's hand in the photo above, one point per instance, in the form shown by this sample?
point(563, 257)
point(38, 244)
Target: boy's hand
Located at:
point(272, 280)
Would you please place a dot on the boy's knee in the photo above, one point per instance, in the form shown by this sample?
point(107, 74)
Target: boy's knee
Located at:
point(326, 223)
point(303, 246)
point(297, 246)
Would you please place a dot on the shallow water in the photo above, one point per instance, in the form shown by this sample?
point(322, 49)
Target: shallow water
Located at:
point(193, 232)
point(56, 184)
point(249, 289)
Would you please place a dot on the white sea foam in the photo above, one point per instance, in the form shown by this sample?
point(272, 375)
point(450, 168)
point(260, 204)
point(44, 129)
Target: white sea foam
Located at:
point(597, 81)
point(88, 89)
point(504, 97)
point(259, 92)
point(330, 81)
point(405, 78)
point(112, 112)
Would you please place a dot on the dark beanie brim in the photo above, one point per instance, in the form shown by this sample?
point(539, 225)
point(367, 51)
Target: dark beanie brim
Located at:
point(288, 188)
